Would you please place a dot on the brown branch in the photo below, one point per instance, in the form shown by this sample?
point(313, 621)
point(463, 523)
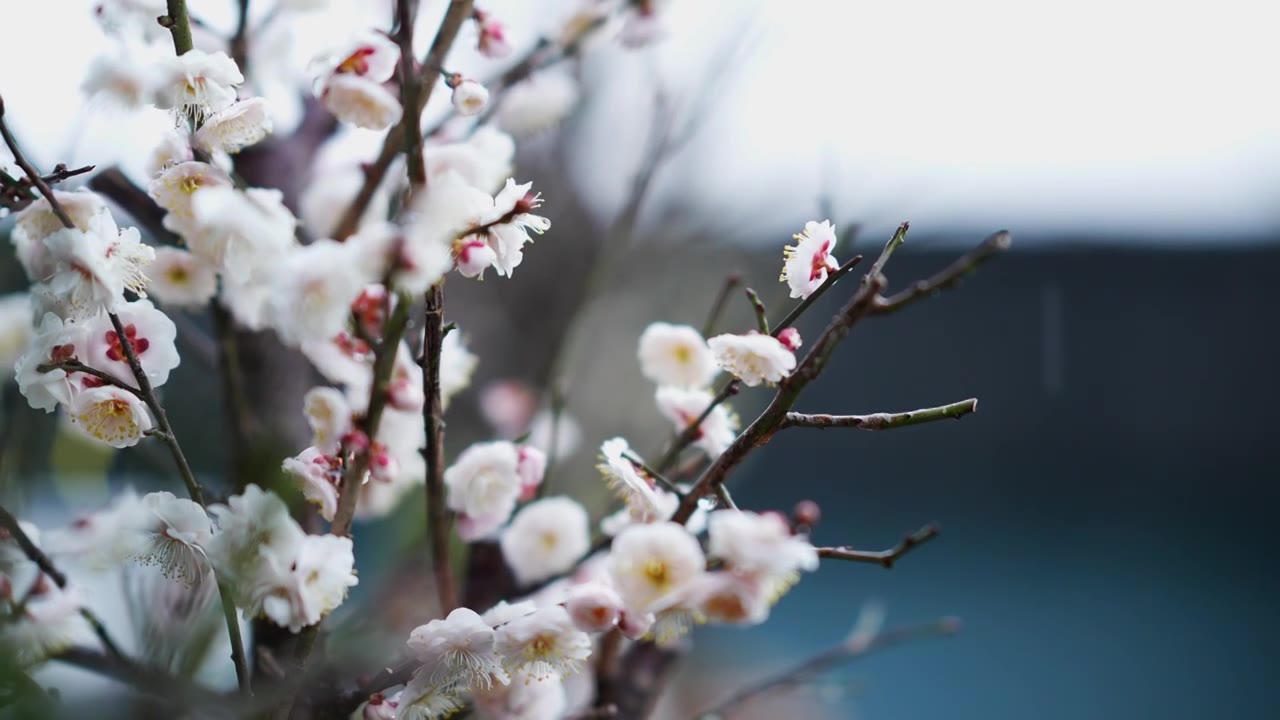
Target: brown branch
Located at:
point(883, 558)
point(438, 516)
point(70, 366)
point(731, 282)
point(804, 304)
point(852, 648)
point(33, 175)
point(10, 525)
point(948, 276)
point(882, 421)
point(410, 88)
point(455, 16)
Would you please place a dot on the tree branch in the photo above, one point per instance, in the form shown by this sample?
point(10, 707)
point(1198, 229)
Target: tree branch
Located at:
point(70, 366)
point(731, 282)
point(882, 421)
point(948, 276)
point(757, 306)
point(883, 558)
point(455, 16)
point(410, 89)
point(10, 524)
point(438, 516)
point(852, 648)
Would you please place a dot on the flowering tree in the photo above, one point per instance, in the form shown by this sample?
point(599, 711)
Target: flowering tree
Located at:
point(357, 289)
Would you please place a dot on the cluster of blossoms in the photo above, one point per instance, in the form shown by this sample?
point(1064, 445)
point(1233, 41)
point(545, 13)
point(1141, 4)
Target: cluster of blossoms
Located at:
point(655, 581)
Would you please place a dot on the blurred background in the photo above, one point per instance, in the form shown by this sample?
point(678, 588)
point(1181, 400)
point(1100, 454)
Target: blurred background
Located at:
point(1106, 514)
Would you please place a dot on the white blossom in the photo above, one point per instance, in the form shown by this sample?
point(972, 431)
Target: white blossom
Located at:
point(54, 342)
point(636, 625)
point(361, 102)
point(50, 622)
point(110, 415)
point(483, 486)
point(504, 612)
point(724, 597)
point(683, 408)
point(470, 97)
point(654, 565)
point(93, 268)
point(459, 650)
point(546, 538)
point(457, 363)
point(645, 502)
point(326, 198)
point(299, 591)
point(484, 160)
point(317, 476)
point(329, 416)
point(543, 644)
point(758, 544)
point(368, 55)
point(256, 537)
point(171, 533)
point(311, 299)
point(150, 333)
point(173, 190)
point(806, 265)
point(513, 207)
point(676, 355)
point(594, 606)
point(197, 82)
point(493, 36)
point(181, 279)
point(38, 221)
point(531, 467)
point(234, 128)
point(526, 698)
point(174, 148)
point(241, 232)
point(126, 75)
point(537, 103)
point(753, 358)
point(421, 700)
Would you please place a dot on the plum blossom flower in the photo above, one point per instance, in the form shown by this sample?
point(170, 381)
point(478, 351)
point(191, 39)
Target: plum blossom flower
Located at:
point(676, 355)
point(171, 533)
point(469, 97)
point(361, 102)
point(543, 644)
point(369, 55)
point(753, 358)
point(15, 330)
point(93, 268)
point(197, 82)
point(241, 232)
point(173, 148)
point(546, 538)
point(329, 416)
point(311, 299)
point(110, 415)
point(252, 527)
point(653, 566)
point(459, 651)
point(683, 408)
point(758, 544)
point(537, 103)
point(790, 338)
point(173, 190)
point(317, 476)
point(181, 279)
point(509, 231)
point(420, 700)
point(235, 127)
point(151, 335)
point(50, 622)
point(54, 342)
point(38, 221)
point(484, 160)
point(525, 698)
point(806, 265)
point(483, 486)
point(724, 597)
point(594, 606)
point(645, 502)
point(493, 35)
point(126, 75)
point(531, 467)
point(299, 590)
point(504, 612)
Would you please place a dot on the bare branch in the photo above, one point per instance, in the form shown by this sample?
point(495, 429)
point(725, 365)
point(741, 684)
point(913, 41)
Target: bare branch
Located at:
point(882, 421)
point(70, 366)
point(804, 304)
point(757, 306)
point(847, 651)
point(438, 516)
point(948, 276)
point(731, 282)
point(883, 558)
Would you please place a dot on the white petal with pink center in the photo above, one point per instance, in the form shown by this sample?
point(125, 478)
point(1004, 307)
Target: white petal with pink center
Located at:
point(806, 265)
point(683, 408)
point(109, 415)
point(150, 333)
point(753, 358)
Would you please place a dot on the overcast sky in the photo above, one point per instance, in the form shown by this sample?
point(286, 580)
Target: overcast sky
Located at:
point(1145, 119)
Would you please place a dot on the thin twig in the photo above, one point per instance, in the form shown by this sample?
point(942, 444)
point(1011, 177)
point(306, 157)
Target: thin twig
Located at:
point(882, 421)
point(883, 558)
point(438, 517)
point(10, 524)
point(804, 304)
point(410, 88)
point(33, 175)
point(948, 276)
point(731, 282)
point(455, 16)
point(657, 476)
point(757, 306)
point(827, 660)
point(70, 366)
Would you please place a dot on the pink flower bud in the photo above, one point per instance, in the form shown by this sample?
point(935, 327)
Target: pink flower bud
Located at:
point(531, 467)
point(594, 607)
point(634, 625)
point(790, 337)
point(406, 395)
